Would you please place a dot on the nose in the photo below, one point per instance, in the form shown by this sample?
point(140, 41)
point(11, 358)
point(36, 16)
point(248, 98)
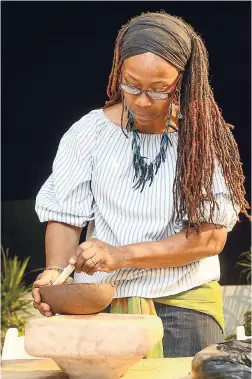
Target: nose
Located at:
point(142, 100)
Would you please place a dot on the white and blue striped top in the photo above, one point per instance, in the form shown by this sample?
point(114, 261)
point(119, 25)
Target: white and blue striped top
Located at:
point(91, 181)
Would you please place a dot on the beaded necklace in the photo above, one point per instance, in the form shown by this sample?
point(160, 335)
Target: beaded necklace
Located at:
point(145, 172)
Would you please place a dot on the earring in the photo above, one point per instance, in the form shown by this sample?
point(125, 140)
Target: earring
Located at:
point(168, 123)
point(130, 122)
point(125, 104)
point(169, 117)
point(179, 114)
point(124, 110)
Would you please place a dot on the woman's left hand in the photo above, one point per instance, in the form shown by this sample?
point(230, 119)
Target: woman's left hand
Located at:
point(95, 255)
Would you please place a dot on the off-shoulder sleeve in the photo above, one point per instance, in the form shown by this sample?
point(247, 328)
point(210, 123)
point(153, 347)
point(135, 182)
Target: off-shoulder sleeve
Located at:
point(226, 214)
point(66, 195)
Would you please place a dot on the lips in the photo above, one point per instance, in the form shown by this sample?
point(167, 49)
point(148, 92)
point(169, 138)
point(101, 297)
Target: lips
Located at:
point(142, 116)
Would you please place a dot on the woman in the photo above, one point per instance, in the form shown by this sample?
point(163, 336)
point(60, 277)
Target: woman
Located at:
point(157, 176)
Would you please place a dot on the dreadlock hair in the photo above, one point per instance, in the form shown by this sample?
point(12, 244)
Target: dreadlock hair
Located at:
point(204, 138)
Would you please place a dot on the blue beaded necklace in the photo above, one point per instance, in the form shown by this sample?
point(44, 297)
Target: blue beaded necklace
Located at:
point(145, 172)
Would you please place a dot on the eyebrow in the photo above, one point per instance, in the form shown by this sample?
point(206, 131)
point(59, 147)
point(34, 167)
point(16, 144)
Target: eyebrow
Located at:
point(156, 82)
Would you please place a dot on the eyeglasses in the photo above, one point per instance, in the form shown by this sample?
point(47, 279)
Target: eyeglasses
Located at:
point(153, 95)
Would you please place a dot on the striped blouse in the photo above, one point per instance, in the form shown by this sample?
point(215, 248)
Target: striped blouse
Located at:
point(91, 181)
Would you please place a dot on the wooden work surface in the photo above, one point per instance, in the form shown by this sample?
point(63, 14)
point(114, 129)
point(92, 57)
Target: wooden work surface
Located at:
point(168, 368)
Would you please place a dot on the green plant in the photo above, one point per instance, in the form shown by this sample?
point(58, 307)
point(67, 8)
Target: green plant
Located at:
point(245, 262)
point(247, 323)
point(230, 337)
point(14, 307)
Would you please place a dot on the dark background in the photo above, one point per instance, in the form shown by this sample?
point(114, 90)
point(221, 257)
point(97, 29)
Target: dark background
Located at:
point(56, 59)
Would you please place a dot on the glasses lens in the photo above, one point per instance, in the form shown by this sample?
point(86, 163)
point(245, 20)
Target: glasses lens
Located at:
point(158, 95)
point(129, 89)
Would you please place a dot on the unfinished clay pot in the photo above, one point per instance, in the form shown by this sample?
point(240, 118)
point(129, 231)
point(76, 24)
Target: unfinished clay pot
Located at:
point(101, 346)
point(78, 298)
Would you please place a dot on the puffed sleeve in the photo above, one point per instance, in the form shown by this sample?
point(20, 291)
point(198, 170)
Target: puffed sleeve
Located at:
point(66, 195)
point(226, 214)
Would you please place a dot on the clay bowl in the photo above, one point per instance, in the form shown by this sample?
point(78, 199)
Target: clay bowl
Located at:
point(98, 346)
point(78, 298)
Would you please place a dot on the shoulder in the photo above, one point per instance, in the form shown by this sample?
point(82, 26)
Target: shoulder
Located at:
point(91, 127)
point(114, 113)
point(94, 120)
point(88, 120)
point(85, 127)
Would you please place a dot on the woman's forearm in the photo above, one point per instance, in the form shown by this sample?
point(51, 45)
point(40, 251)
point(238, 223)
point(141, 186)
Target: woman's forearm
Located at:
point(61, 242)
point(176, 250)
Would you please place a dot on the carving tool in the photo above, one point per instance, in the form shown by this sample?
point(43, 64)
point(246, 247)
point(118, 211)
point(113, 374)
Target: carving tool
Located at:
point(65, 273)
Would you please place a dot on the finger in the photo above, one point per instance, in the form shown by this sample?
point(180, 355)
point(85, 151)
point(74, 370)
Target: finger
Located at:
point(45, 307)
point(69, 280)
point(35, 289)
point(74, 258)
point(91, 272)
point(45, 314)
point(81, 248)
point(91, 264)
point(48, 314)
point(95, 268)
point(41, 282)
point(83, 258)
point(36, 295)
point(42, 307)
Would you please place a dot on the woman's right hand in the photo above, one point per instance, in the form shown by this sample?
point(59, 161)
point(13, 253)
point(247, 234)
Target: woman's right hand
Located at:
point(46, 278)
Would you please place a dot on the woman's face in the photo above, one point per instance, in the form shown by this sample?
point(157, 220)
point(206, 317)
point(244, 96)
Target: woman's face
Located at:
point(149, 72)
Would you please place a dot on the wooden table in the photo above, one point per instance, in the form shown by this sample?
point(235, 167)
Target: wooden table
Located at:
point(168, 368)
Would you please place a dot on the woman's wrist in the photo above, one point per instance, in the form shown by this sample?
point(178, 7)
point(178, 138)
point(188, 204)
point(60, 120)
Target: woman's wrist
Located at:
point(54, 268)
point(128, 256)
